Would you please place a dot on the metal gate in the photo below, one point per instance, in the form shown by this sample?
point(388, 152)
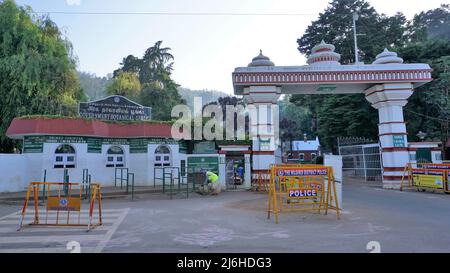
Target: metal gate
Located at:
point(361, 159)
point(229, 174)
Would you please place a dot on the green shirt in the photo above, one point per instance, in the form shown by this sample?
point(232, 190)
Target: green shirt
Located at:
point(212, 176)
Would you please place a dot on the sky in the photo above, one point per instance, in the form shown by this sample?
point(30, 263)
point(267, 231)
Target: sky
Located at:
point(206, 48)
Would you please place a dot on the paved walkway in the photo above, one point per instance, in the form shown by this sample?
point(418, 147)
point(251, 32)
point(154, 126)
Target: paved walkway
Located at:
point(57, 239)
point(107, 192)
point(237, 222)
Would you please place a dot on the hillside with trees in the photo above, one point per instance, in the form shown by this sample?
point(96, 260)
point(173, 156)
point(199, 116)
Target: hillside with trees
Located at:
point(207, 96)
point(93, 86)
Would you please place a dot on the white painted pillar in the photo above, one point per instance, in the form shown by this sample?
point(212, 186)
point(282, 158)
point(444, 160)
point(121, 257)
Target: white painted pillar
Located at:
point(389, 100)
point(222, 171)
point(247, 172)
point(264, 115)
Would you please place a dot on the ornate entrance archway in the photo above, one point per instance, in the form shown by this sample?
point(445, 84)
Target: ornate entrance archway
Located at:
point(387, 84)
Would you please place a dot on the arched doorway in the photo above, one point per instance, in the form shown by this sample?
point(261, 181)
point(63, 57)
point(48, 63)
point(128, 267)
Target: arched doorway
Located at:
point(65, 157)
point(163, 157)
point(115, 157)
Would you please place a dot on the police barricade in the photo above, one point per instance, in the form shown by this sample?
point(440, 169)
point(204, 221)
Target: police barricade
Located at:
point(62, 208)
point(301, 188)
point(260, 181)
point(424, 176)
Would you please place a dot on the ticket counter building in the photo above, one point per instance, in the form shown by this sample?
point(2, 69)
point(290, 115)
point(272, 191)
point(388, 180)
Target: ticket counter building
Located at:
point(55, 144)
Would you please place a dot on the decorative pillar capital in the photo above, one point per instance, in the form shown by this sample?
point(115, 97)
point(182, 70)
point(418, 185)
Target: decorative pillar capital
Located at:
point(262, 94)
point(384, 95)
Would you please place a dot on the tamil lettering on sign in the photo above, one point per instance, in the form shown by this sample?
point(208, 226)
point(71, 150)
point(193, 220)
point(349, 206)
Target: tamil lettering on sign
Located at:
point(399, 141)
point(114, 108)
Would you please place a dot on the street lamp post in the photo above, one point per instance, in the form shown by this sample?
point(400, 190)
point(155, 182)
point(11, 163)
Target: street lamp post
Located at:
point(355, 18)
point(421, 135)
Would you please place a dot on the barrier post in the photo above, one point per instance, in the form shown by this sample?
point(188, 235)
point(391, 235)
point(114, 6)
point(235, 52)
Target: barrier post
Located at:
point(66, 181)
point(43, 189)
point(132, 184)
point(25, 205)
point(88, 188)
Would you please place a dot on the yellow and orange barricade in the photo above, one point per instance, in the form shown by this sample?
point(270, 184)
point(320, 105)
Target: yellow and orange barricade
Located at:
point(63, 202)
point(427, 176)
point(301, 188)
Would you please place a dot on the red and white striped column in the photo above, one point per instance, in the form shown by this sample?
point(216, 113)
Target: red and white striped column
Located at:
point(389, 100)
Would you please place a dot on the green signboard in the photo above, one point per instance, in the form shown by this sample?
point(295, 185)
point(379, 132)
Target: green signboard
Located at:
point(138, 146)
point(115, 141)
point(162, 141)
point(33, 144)
point(326, 87)
point(65, 139)
point(209, 163)
point(205, 147)
point(183, 147)
point(399, 141)
point(94, 145)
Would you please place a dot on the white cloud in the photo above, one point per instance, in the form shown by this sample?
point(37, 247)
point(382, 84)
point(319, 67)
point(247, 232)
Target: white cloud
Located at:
point(73, 2)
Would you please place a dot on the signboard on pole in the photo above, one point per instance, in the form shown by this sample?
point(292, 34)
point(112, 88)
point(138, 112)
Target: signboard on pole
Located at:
point(208, 163)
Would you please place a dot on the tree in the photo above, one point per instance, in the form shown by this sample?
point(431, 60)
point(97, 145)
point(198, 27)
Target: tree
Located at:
point(156, 65)
point(432, 24)
point(335, 26)
point(207, 96)
point(345, 115)
point(161, 100)
point(130, 64)
point(157, 89)
point(428, 108)
point(125, 84)
point(37, 69)
point(294, 121)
